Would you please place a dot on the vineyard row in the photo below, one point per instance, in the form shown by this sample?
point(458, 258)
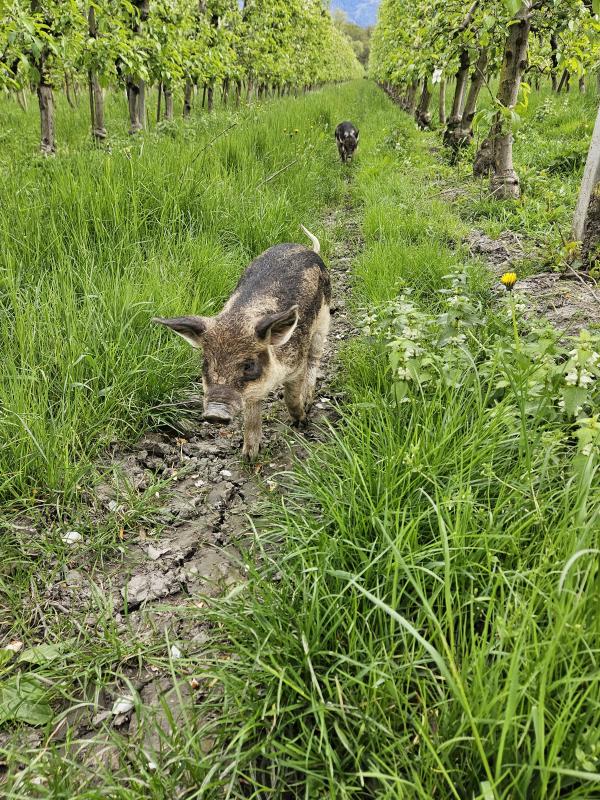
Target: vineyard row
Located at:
point(246, 49)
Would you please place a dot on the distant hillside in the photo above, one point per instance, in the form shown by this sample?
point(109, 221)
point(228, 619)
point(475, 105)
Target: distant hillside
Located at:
point(362, 12)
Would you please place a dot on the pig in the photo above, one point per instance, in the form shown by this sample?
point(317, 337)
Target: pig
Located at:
point(346, 136)
point(270, 333)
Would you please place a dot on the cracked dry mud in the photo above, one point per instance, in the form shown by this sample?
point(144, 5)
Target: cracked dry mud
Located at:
point(212, 505)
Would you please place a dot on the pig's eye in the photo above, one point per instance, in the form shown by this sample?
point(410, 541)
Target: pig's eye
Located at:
point(251, 370)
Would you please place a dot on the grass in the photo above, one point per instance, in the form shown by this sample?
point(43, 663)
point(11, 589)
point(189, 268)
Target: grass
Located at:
point(434, 629)
point(421, 618)
point(550, 149)
point(95, 243)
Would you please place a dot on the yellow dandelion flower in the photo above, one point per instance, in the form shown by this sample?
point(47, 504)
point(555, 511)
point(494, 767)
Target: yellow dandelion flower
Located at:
point(509, 279)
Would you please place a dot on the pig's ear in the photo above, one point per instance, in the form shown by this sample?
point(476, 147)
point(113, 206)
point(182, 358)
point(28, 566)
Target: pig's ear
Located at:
point(276, 329)
point(192, 329)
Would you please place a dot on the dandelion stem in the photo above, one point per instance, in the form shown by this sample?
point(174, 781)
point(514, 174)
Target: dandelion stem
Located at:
point(514, 319)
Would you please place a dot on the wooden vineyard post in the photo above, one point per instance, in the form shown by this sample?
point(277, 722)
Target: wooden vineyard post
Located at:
point(591, 177)
point(586, 222)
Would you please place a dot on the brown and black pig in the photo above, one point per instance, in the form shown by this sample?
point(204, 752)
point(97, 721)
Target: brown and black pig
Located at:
point(270, 333)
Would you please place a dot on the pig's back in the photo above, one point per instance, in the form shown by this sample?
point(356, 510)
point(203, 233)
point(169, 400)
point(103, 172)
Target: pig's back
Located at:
point(282, 276)
point(343, 128)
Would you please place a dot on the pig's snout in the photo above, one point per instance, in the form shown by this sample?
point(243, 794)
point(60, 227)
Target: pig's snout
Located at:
point(219, 413)
point(221, 403)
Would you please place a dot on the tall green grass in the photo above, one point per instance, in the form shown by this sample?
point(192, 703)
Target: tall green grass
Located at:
point(429, 626)
point(93, 243)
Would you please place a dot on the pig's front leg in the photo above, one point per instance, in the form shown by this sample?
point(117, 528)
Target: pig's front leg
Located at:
point(293, 393)
point(252, 429)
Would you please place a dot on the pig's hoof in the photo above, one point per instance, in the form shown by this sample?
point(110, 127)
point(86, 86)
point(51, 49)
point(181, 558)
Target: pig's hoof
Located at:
point(250, 454)
point(300, 424)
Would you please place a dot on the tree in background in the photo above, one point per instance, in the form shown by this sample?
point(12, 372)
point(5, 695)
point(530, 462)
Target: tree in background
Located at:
point(359, 37)
point(271, 46)
point(470, 42)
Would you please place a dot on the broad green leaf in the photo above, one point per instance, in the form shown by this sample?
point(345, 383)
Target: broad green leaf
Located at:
point(22, 700)
point(43, 653)
point(573, 397)
point(513, 6)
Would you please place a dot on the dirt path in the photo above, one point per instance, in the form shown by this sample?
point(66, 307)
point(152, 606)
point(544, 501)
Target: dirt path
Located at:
point(212, 506)
point(213, 496)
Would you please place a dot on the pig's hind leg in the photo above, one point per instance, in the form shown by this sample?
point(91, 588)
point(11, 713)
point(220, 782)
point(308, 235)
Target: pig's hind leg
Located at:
point(315, 353)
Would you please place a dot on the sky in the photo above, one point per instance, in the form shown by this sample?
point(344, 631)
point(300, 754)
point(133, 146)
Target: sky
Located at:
point(363, 12)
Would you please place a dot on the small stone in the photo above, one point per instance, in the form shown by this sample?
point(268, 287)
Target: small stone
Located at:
point(72, 537)
point(73, 577)
point(226, 473)
point(154, 585)
point(100, 717)
point(175, 652)
point(219, 493)
point(122, 705)
point(154, 553)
